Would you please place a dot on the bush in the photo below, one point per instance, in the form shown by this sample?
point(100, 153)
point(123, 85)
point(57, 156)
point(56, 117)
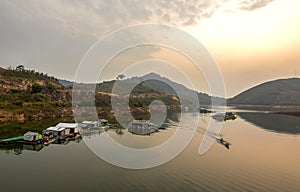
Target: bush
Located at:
point(15, 91)
point(51, 86)
point(36, 88)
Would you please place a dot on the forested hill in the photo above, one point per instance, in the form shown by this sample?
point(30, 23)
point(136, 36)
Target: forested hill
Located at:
point(31, 95)
point(20, 79)
point(277, 92)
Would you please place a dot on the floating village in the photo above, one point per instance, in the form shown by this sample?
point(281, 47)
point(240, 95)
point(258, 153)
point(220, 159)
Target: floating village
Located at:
point(63, 133)
point(60, 132)
point(71, 131)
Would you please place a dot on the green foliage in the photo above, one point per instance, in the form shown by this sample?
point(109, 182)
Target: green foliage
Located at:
point(36, 88)
point(21, 72)
point(51, 86)
point(39, 97)
point(15, 91)
point(18, 103)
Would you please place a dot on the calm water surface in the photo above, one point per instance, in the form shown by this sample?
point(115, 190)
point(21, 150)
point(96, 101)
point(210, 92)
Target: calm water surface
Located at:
point(264, 156)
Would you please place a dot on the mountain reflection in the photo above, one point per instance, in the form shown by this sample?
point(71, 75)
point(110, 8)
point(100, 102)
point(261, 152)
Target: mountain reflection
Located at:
point(274, 122)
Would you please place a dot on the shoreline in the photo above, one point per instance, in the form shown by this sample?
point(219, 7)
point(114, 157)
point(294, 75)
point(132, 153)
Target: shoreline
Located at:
point(297, 114)
point(274, 108)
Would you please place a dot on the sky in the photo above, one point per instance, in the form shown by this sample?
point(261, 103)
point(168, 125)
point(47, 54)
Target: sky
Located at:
point(252, 41)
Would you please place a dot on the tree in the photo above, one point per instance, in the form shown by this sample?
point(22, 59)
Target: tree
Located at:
point(20, 68)
point(121, 76)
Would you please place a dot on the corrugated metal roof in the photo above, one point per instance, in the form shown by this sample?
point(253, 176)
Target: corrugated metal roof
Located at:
point(67, 125)
point(61, 128)
point(55, 128)
point(29, 133)
point(90, 122)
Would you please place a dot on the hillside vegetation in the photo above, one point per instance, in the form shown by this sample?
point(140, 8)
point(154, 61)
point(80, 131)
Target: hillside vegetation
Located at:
point(278, 92)
point(31, 95)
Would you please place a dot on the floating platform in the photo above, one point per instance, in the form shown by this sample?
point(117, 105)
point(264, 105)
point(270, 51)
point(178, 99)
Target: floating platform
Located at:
point(12, 139)
point(142, 127)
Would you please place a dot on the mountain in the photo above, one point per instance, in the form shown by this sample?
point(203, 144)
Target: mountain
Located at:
point(31, 95)
point(154, 83)
point(168, 86)
point(277, 92)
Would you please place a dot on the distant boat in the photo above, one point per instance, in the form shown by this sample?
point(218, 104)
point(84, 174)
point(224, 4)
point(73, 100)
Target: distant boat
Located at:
point(224, 116)
point(204, 110)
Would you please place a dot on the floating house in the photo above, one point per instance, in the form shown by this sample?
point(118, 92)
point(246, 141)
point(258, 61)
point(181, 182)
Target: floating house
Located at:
point(90, 124)
point(142, 127)
point(60, 131)
point(70, 128)
point(32, 137)
point(55, 131)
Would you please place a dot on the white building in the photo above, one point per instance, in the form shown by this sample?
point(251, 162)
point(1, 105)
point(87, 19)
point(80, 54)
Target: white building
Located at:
point(70, 127)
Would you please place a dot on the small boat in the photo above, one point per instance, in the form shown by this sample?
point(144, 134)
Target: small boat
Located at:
point(224, 116)
point(51, 140)
point(204, 110)
point(223, 142)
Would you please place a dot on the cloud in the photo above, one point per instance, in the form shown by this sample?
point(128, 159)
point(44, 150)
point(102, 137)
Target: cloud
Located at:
point(252, 5)
point(92, 17)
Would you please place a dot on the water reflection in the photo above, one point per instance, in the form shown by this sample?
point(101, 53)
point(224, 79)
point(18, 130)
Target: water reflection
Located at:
point(257, 161)
point(274, 122)
point(18, 148)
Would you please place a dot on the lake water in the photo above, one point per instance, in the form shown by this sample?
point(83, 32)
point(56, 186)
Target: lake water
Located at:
point(264, 156)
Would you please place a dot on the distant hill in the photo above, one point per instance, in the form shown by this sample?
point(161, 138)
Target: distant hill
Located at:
point(32, 95)
point(65, 83)
point(154, 83)
point(278, 92)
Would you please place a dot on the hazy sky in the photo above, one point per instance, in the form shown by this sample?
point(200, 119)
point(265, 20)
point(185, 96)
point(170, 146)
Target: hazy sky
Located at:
point(252, 40)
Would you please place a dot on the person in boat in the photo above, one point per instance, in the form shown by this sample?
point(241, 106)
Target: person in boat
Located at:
point(223, 142)
point(226, 145)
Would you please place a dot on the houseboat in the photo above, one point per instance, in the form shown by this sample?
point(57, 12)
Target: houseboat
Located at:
point(142, 127)
point(71, 129)
point(88, 128)
point(32, 137)
point(53, 133)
